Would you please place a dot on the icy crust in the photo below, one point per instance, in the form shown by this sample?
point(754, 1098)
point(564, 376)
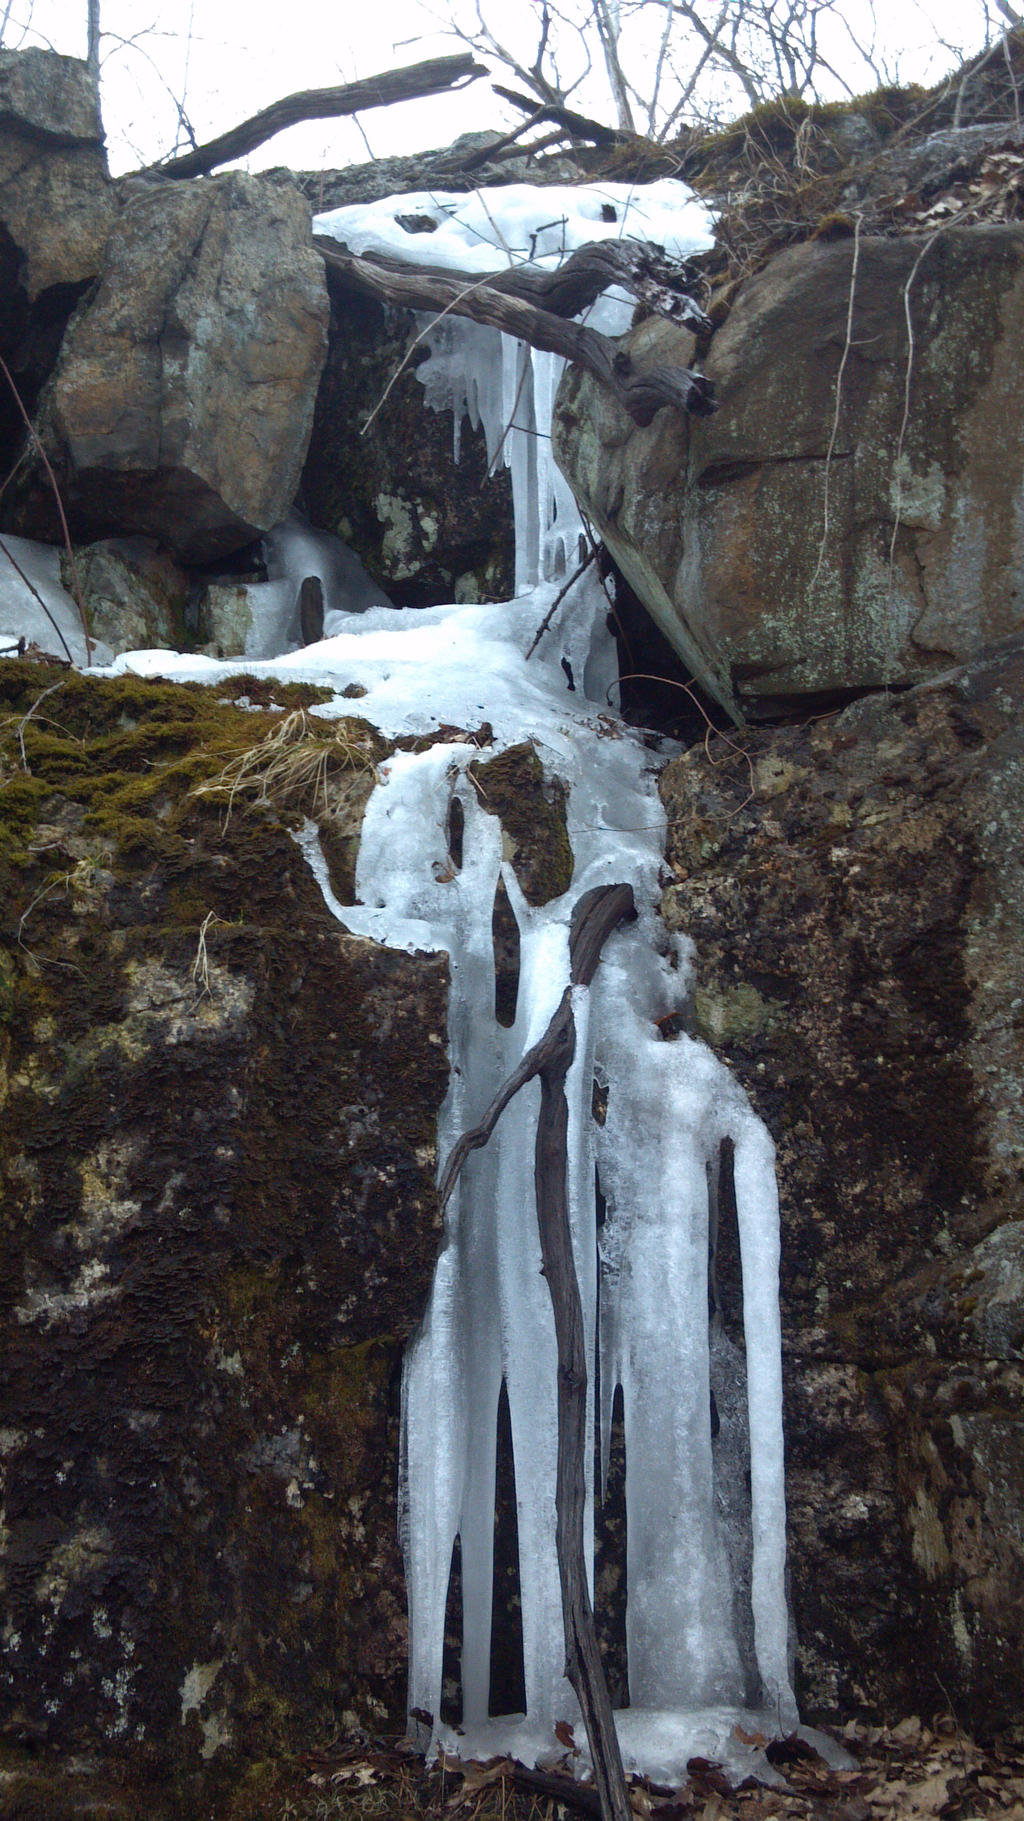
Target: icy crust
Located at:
point(670, 1107)
point(521, 223)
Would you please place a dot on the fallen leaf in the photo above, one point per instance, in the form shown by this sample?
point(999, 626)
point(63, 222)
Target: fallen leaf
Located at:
point(476, 1777)
point(360, 1774)
point(749, 1738)
point(564, 1735)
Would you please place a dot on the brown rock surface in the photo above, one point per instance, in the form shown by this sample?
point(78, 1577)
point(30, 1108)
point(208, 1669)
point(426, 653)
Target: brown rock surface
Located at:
point(854, 890)
point(183, 398)
point(793, 546)
point(57, 207)
point(218, 1228)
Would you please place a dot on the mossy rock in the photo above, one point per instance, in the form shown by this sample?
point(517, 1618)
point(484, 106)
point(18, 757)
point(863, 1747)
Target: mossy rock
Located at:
point(532, 810)
point(218, 1224)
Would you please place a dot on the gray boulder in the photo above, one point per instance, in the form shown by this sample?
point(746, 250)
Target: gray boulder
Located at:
point(182, 402)
point(820, 536)
point(57, 203)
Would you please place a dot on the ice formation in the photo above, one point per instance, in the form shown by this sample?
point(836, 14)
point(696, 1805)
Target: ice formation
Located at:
point(707, 1625)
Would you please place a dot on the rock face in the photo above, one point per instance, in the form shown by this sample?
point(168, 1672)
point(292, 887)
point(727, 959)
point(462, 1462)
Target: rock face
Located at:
point(853, 887)
point(425, 527)
point(134, 595)
point(183, 398)
point(851, 517)
point(57, 203)
point(57, 207)
point(219, 1226)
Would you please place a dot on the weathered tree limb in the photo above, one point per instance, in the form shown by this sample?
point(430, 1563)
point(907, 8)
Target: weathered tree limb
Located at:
point(433, 77)
point(662, 285)
point(575, 126)
point(563, 1789)
point(595, 916)
point(504, 301)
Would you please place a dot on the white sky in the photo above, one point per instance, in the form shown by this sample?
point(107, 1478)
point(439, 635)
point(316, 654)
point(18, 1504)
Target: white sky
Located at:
point(228, 58)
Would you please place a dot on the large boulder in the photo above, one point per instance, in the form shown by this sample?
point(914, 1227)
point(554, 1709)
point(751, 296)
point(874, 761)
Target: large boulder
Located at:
point(853, 887)
point(851, 517)
point(182, 402)
point(57, 207)
point(219, 1227)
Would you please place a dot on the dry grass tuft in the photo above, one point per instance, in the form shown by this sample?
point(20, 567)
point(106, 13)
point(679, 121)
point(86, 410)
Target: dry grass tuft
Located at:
point(292, 766)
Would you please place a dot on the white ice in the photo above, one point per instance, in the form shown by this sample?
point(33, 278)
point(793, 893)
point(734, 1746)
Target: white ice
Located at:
point(707, 1624)
point(511, 394)
point(35, 605)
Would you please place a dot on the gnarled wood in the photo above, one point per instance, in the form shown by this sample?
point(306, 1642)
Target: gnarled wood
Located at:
point(595, 916)
point(418, 79)
point(508, 301)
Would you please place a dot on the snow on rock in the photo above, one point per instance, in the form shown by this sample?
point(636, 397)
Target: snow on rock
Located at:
point(512, 226)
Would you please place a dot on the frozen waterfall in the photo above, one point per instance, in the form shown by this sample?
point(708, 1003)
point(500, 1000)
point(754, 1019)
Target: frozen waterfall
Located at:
point(707, 1626)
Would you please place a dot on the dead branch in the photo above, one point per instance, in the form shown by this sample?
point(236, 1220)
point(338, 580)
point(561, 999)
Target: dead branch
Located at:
point(433, 77)
point(576, 126)
point(537, 307)
point(597, 913)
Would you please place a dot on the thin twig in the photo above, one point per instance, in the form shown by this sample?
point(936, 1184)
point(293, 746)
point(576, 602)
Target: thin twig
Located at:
point(643, 676)
point(559, 598)
point(413, 345)
point(201, 964)
point(16, 566)
point(44, 458)
point(23, 723)
point(897, 466)
point(858, 219)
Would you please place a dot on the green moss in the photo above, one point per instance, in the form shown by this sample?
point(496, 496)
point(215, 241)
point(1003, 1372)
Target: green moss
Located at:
point(129, 751)
point(532, 809)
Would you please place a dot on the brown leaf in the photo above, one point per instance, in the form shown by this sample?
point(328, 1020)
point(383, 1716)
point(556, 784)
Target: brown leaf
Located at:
point(564, 1735)
point(476, 1777)
point(749, 1738)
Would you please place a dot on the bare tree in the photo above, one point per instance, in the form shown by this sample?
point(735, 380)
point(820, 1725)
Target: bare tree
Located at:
point(92, 38)
point(669, 63)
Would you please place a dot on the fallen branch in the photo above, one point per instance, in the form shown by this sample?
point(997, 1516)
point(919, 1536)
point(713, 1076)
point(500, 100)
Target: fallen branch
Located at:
point(505, 301)
point(559, 598)
point(596, 915)
point(662, 285)
point(434, 77)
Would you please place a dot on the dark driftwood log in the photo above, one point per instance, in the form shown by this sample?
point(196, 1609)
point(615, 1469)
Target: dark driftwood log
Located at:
point(410, 84)
point(663, 285)
point(506, 301)
point(596, 915)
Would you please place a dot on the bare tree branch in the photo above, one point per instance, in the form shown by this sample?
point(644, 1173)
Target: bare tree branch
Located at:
point(431, 78)
point(528, 305)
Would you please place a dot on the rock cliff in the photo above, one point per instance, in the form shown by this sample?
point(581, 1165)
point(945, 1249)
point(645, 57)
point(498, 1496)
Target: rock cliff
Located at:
point(219, 1225)
point(217, 1110)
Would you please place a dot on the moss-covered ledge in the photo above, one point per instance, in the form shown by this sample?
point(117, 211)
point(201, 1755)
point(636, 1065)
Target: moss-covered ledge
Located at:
point(217, 1228)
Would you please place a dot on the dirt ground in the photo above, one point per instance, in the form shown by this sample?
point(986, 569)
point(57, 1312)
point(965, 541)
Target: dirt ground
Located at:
point(910, 1771)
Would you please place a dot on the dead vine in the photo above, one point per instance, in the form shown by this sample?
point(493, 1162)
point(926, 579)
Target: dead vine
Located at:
point(642, 676)
point(847, 344)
